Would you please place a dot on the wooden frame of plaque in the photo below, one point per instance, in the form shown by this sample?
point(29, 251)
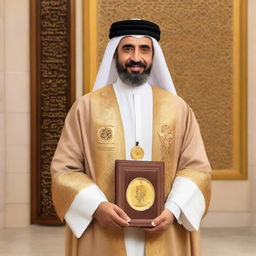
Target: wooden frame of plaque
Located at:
point(139, 190)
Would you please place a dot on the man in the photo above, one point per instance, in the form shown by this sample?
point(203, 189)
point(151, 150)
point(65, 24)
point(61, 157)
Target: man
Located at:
point(123, 112)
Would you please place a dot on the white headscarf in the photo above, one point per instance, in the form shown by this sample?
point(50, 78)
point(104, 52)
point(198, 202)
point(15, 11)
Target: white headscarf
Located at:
point(159, 75)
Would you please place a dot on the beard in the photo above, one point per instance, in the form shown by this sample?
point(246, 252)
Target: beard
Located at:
point(134, 78)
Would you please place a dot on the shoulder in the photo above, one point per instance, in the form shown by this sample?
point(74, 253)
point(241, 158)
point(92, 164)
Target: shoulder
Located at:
point(172, 99)
point(173, 104)
point(81, 101)
point(85, 100)
point(102, 92)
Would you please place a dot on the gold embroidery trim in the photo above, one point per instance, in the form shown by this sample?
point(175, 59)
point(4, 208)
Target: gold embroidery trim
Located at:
point(65, 187)
point(164, 132)
point(107, 140)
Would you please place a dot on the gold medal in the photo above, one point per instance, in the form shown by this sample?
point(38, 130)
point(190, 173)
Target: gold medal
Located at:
point(137, 152)
point(140, 194)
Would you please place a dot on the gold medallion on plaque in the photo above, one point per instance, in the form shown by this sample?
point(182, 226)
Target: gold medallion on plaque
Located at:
point(137, 153)
point(140, 194)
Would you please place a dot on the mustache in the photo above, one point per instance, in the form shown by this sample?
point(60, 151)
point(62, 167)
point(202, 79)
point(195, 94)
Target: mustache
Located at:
point(132, 63)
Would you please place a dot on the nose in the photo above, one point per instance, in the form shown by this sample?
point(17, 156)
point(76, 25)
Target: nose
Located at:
point(136, 55)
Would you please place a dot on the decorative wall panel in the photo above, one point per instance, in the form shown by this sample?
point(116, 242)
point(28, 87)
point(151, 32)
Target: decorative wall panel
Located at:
point(52, 92)
point(204, 42)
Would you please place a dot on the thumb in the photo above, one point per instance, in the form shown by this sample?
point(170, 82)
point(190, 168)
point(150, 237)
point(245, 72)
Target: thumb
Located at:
point(158, 220)
point(121, 213)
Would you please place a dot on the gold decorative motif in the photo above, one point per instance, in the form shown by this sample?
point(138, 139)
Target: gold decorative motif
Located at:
point(105, 135)
point(166, 135)
point(140, 194)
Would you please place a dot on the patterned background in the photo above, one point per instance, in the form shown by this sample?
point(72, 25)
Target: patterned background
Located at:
point(197, 43)
point(52, 93)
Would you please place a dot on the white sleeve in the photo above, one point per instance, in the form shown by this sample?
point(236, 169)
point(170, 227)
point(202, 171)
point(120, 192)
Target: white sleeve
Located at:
point(174, 208)
point(79, 214)
point(188, 197)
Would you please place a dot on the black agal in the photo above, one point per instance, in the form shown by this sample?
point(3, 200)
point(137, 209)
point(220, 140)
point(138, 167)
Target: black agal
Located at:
point(135, 27)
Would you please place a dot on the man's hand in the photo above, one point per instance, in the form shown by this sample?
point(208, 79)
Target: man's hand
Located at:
point(162, 222)
point(111, 216)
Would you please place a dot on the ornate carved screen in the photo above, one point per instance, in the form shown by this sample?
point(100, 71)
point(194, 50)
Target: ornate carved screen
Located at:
point(52, 92)
point(204, 42)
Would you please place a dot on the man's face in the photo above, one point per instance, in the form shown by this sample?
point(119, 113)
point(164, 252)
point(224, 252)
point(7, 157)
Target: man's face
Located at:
point(134, 59)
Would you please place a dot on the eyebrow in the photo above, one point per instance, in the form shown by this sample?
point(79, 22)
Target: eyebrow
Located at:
point(141, 46)
point(127, 45)
point(145, 46)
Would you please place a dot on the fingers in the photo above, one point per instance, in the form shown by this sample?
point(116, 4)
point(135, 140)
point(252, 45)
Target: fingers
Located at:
point(159, 219)
point(119, 221)
point(159, 228)
point(111, 216)
point(120, 217)
point(112, 224)
point(162, 222)
point(121, 213)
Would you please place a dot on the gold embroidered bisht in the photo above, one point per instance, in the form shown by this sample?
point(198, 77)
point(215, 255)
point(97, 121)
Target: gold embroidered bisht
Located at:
point(93, 138)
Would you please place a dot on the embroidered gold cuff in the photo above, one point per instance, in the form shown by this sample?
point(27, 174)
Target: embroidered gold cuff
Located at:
point(65, 187)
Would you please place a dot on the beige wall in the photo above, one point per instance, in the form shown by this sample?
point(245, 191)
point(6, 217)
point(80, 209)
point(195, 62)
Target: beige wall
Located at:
point(252, 105)
point(233, 202)
point(14, 113)
point(2, 115)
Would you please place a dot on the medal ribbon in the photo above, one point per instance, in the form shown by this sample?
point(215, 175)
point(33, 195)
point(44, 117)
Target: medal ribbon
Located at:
point(138, 116)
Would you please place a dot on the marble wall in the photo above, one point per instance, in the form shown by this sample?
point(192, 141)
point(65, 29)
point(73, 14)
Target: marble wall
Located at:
point(2, 115)
point(252, 105)
point(14, 113)
point(233, 202)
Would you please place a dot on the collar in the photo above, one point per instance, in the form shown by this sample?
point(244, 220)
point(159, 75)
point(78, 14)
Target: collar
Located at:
point(124, 88)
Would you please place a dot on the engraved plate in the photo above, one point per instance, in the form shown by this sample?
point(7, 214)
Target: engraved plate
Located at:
point(140, 194)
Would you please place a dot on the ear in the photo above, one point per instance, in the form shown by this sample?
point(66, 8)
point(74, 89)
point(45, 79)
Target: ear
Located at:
point(115, 54)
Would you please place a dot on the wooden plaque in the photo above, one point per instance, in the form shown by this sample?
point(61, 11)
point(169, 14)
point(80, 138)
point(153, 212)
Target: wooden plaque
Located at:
point(139, 189)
